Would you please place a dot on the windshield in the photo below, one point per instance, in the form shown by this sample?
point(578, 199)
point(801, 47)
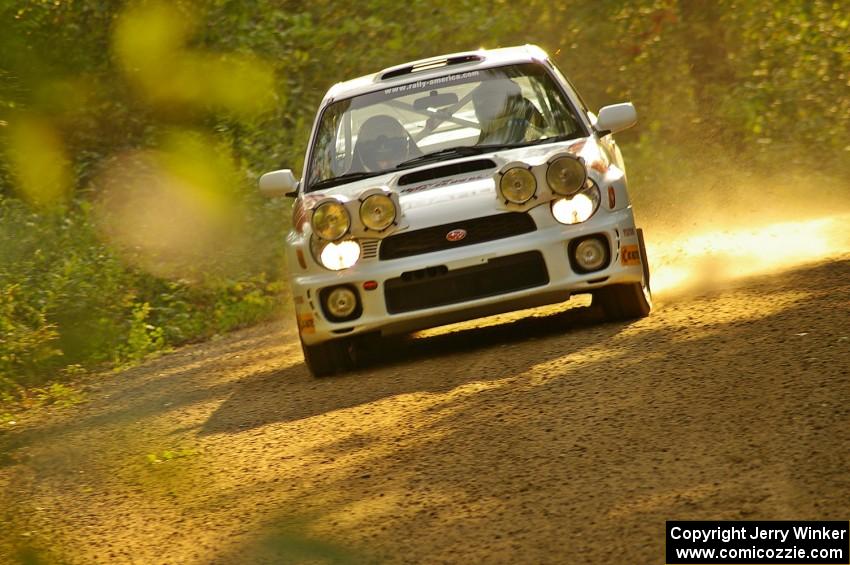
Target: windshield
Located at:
point(379, 131)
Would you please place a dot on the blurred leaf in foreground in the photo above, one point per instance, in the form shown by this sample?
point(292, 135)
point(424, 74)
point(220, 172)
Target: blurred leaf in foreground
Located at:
point(150, 43)
point(38, 162)
point(172, 212)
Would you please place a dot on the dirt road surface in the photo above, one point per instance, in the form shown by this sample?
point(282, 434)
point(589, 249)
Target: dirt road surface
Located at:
point(547, 439)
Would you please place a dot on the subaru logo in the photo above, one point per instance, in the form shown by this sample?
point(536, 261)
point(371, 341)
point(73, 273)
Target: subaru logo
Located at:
point(455, 235)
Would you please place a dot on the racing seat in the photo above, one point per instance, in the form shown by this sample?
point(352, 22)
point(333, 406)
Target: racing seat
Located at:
point(382, 143)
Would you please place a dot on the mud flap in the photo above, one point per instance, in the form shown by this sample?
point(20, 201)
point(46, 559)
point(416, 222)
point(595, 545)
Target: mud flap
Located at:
point(644, 260)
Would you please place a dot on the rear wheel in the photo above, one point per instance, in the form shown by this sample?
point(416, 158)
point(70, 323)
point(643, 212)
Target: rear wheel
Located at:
point(627, 301)
point(328, 358)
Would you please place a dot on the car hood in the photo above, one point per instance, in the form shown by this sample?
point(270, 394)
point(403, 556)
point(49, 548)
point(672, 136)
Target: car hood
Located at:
point(445, 198)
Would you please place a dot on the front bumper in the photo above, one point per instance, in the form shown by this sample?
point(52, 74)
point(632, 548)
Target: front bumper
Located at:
point(551, 240)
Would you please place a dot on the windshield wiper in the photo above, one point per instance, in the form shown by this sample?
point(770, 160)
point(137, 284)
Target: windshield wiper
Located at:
point(461, 151)
point(341, 179)
point(555, 139)
point(468, 150)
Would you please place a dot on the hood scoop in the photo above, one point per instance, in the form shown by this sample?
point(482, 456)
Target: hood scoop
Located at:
point(446, 171)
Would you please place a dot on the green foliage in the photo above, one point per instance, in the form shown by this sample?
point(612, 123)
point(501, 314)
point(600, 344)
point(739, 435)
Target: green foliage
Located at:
point(66, 298)
point(142, 337)
point(794, 72)
point(27, 341)
point(57, 394)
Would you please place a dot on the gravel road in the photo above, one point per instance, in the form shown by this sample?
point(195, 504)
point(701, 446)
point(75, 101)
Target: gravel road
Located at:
point(547, 439)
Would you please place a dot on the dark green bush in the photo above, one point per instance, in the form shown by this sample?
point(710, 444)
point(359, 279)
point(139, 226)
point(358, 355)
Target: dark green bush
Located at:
point(66, 298)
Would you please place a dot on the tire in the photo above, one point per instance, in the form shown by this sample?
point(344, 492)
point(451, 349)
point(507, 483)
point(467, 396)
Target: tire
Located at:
point(328, 358)
point(627, 301)
point(624, 301)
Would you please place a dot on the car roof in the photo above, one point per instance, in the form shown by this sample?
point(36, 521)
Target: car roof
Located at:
point(435, 67)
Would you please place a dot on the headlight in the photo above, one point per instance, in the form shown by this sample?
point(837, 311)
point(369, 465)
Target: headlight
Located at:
point(578, 208)
point(566, 175)
point(330, 220)
point(377, 212)
point(517, 185)
point(337, 256)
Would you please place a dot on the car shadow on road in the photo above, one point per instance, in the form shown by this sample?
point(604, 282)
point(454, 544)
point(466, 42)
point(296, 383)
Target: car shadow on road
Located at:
point(404, 364)
point(732, 408)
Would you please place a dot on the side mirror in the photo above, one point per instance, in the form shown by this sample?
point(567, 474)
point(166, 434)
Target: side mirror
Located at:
point(616, 117)
point(279, 183)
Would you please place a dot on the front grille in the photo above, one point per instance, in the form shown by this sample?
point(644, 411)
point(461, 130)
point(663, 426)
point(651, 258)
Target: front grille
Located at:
point(437, 286)
point(369, 247)
point(478, 230)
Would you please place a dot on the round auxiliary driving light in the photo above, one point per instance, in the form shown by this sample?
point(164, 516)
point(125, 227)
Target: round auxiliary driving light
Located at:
point(340, 302)
point(377, 212)
point(591, 254)
point(330, 220)
point(518, 185)
point(339, 256)
point(566, 175)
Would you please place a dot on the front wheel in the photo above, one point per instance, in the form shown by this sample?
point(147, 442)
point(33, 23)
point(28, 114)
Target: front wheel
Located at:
point(328, 358)
point(624, 301)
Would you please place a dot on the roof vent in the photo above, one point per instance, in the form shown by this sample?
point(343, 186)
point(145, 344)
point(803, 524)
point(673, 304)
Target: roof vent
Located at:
point(429, 64)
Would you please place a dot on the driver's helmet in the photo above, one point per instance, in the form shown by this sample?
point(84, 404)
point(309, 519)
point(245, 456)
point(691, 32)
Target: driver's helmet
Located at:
point(495, 101)
point(382, 143)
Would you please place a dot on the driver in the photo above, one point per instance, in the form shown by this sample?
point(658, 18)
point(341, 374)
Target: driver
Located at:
point(382, 143)
point(503, 114)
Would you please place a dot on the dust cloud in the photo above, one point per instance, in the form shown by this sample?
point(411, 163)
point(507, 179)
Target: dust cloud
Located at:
point(754, 228)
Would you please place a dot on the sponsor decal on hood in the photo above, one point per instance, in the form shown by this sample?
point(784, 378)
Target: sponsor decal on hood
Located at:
point(444, 182)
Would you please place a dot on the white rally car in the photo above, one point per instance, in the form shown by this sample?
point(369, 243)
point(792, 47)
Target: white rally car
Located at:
point(453, 188)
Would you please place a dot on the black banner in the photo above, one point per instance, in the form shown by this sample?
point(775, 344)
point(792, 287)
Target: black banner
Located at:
point(765, 543)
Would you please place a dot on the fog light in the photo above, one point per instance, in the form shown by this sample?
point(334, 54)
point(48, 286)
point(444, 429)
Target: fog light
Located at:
point(590, 254)
point(340, 303)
